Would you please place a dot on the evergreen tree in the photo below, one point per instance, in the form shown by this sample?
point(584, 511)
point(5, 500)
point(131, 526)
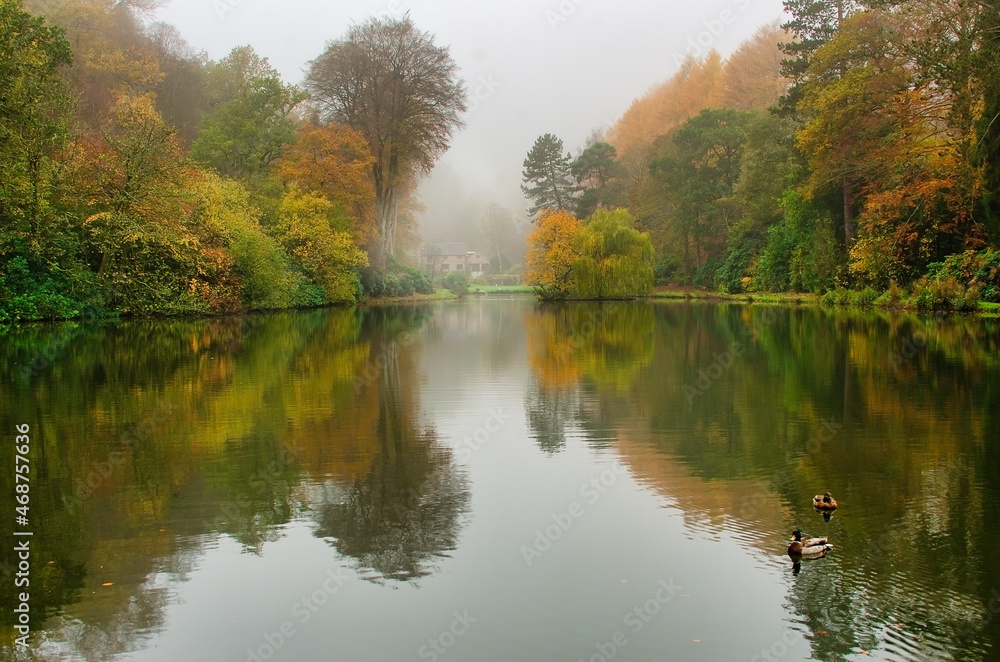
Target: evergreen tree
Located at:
point(813, 23)
point(548, 177)
point(599, 176)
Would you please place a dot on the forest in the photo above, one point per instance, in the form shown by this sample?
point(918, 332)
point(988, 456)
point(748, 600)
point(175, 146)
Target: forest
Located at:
point(142, 178)
point(852, 151)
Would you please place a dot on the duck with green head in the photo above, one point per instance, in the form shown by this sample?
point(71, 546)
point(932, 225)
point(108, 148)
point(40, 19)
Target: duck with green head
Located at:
point(811, 547)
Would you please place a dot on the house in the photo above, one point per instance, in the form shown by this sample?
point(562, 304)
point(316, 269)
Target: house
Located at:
point(447, 258)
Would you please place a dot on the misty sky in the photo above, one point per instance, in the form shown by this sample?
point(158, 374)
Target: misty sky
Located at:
point(560, 66)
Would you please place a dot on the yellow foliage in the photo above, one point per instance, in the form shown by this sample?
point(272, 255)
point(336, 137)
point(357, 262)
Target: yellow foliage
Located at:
point(549, 262)
point(326, 254)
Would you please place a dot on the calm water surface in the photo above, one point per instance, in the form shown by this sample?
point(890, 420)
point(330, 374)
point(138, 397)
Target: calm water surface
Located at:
point(497, 480)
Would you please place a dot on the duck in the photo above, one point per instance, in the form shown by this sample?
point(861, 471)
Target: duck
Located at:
point(824, 502)
point(815, 547)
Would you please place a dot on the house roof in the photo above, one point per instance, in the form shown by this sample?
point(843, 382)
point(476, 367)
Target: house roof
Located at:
point(443, 249)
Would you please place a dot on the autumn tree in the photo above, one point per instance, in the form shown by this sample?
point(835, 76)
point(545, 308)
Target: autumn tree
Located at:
point(551, 253)
point(752, 76)
point(548, 177)
point(230, 222)
point(388, 80)
point(696, 85)
point(247, 122)
point(333, 161)
point(133, 225)
point(111, 53)
point(892, 137)
point(181, 93)
point(615, 260)
point(327, 254)
point(33, 106)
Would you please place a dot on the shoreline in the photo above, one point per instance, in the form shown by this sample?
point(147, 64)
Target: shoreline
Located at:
point(985, 310)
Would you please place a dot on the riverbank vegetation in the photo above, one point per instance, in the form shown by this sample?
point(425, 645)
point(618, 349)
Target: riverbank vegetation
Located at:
point(852, 152)
point(142, 178)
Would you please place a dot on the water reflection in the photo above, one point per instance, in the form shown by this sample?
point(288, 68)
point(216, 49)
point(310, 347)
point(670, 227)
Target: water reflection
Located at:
point(157, 442)
point(576, 349)
point(153, 438)
point(744, 413)
point(406, 510)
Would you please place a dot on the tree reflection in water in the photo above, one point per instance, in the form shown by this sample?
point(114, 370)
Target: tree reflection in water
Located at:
point(408, 509)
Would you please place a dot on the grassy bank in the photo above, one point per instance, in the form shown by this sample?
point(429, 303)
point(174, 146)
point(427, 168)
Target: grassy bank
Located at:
point(863, 299)
point(501, 289)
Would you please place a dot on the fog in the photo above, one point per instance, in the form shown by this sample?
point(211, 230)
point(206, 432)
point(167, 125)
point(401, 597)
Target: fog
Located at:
point(566, 67)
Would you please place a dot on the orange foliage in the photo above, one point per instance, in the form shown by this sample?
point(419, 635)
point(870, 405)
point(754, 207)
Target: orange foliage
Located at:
point(697, 85)
point(749, 80)
point(752, 77)
point(334, 161)
point(550, 257)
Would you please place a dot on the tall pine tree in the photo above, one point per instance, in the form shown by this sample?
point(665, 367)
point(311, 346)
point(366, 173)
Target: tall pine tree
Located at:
point(548, 176)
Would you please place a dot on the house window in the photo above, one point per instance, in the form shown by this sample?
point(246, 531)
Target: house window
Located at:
point(458, 267)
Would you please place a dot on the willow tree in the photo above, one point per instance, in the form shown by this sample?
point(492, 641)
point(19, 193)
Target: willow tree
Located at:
point(615, 260)
point(388, 80)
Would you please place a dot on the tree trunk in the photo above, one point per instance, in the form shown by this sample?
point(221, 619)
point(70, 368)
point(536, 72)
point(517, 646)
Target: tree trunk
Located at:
point(386, 210)
point(848, 213)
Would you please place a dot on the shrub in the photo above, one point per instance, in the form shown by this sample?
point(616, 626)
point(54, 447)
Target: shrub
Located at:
point(457, 282)
point(666, 271)
point(938, 294)
point(864, 299)
point(979, 269)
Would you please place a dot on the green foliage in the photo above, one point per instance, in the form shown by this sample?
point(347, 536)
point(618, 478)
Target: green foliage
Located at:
point(399, 280)
point(800, 251)
point(973, 269)
point(691, 179)
point(600, 178)
point(944, 294)
point(33, 113)
point(25, 297)
point(666, 270)
point(616, 260)
point(548, 178)
point(457, 282)
point(248, 118)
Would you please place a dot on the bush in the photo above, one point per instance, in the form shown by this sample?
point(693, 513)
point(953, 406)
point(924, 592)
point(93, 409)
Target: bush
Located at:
point(972, 269)
point(25, 296)
point(457, 282)
point(864, 299)
point(666, 271)
point(399, 280)
point(938, 294)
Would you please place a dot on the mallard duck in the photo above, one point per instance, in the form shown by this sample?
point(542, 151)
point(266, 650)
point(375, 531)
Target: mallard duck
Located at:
point(824, 502)
point(815, 547)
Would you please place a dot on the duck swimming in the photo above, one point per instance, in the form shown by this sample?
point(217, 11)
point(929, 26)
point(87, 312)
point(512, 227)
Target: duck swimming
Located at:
point(813, 547)
point(824, 502)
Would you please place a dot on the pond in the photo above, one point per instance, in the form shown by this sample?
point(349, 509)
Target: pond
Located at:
point(496, 479)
